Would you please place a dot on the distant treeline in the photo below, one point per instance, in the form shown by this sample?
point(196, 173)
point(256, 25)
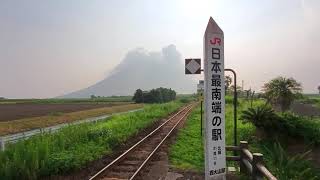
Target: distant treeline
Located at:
point(159, 95)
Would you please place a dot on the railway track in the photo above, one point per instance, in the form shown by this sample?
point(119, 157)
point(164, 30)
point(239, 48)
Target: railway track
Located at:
point(129, 164)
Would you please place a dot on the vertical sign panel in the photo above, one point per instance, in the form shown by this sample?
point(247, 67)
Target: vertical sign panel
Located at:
point(215, 155)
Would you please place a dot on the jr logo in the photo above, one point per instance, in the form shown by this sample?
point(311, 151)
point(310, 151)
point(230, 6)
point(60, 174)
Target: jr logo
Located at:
point(215, 41)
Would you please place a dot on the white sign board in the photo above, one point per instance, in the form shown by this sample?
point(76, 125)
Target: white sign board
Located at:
point(192, 66)
point(215, 155)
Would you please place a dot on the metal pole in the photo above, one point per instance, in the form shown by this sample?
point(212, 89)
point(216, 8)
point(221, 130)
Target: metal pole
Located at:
point(235, 100)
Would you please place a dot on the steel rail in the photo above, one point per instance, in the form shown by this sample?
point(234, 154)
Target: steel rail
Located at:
point(135, 145)
point(155, 149)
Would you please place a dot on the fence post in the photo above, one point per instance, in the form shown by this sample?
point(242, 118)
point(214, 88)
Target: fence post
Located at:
point(243, 145)
point(257, 159)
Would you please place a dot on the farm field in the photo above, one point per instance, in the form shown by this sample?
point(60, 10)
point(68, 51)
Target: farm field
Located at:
point(57, 117)
point(315, 99)
point(26, 110)
point(73, 147)
point(94, 100)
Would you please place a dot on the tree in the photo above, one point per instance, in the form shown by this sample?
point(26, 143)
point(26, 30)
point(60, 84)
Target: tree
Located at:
point(231, 89)
point(282, 91)
point(227, 82)
point(319, 89)
point(138, 96)
point(159, 95)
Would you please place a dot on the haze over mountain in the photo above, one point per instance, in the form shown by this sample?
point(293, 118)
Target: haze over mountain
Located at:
point(144, 70)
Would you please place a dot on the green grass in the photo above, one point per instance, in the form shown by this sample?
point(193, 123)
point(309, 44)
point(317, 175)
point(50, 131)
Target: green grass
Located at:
point(73, 147)
point(188, 153)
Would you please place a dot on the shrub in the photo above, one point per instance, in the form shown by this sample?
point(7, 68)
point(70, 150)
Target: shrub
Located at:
point(261, 116)
point(287, 123)
point(299, 126)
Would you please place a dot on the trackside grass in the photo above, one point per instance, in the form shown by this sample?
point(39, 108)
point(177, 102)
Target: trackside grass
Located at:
point(188, 152)
point(74, 146)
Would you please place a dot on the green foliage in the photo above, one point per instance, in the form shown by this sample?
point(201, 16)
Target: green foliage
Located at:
point(159, 95)
point(227, 82)
point(138, 96)
point(74, 146)
point(287, 123)
point(229, 99)
point(298, 126)
point(282, 91)
point(287, 167)
point(184, 100)
point(261, 117)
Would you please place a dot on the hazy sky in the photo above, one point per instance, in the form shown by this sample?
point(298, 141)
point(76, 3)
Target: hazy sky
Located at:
point(50, 48)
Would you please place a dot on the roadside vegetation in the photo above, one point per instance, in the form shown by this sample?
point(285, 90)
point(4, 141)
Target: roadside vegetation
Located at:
point(20, 125)
point(73, 147)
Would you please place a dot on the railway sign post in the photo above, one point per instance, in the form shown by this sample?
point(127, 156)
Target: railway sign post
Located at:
point(215, 155)
point(192, 66)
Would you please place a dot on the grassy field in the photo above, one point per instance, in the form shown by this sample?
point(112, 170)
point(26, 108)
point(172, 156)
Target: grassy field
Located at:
point(188, 153)
point(73, 147)
point(25, 124)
